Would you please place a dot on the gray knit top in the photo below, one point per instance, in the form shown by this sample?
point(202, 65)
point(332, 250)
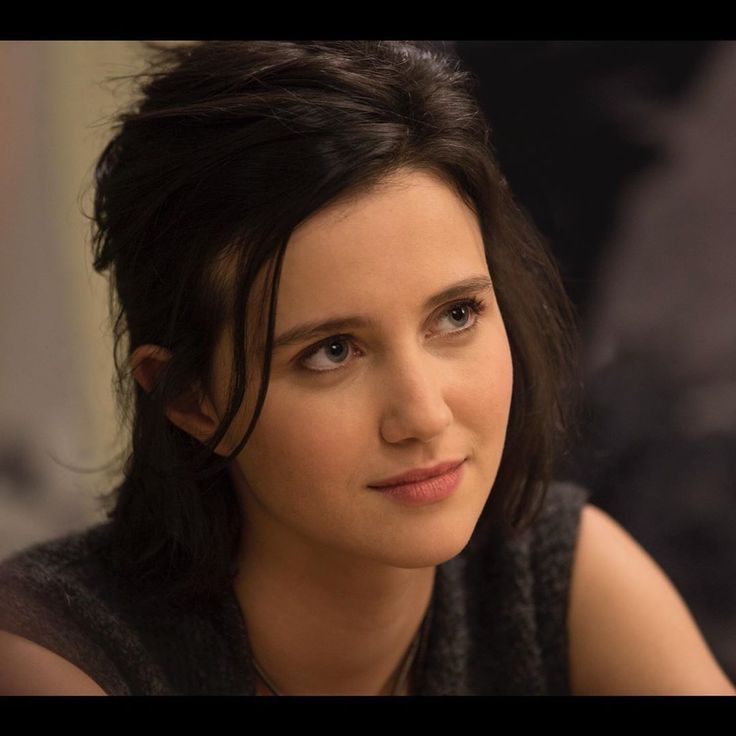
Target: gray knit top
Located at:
point(498, 626)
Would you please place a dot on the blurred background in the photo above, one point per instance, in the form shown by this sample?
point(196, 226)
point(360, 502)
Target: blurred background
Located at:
point(56, 365)
point(624, 155)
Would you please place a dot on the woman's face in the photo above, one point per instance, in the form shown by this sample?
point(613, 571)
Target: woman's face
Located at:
point(416, 386)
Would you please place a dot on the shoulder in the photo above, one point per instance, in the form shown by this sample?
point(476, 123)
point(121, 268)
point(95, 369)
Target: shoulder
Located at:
point(71, 553)
point(27, 668)
point(49, 610)
point(630, 631)
point(47, 575)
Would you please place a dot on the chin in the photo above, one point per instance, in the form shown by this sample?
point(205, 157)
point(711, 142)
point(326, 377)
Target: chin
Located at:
point(433, 549)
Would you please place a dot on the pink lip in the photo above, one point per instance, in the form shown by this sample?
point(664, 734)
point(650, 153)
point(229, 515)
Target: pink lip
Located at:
point(427, 491)
point(419, 474)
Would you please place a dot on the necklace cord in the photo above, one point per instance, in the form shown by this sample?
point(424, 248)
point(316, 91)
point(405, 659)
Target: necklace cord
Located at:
point(419, 642)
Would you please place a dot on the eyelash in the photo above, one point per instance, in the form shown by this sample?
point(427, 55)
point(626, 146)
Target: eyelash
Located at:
point(476, 306)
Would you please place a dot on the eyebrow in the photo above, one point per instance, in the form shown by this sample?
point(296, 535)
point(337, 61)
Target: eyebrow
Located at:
point(315, 329)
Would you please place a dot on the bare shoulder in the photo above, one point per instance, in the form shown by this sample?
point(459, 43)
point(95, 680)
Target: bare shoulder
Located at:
point(27, 668)
point(630, 631)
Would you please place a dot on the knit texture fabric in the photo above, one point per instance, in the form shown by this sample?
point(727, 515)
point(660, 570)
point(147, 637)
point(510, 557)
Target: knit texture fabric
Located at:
point(499, 625)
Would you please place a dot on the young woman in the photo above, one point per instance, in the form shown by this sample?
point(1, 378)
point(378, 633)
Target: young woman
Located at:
point(353, 367)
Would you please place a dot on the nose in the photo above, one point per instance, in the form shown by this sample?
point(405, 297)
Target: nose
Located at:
point(414, 405)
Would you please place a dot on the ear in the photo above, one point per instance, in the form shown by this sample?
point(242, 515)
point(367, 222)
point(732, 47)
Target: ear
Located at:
point(192, 411)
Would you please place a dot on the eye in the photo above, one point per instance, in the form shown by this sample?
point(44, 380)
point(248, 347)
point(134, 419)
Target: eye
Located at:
point(337, 347)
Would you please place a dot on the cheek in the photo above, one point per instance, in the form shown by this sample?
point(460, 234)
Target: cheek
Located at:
point(487, 400)
point(492, 357)
point(503, 375)
point(486, 406)
point(300, 442)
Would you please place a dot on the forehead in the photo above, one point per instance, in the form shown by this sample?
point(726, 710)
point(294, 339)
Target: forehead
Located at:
point(412, 233)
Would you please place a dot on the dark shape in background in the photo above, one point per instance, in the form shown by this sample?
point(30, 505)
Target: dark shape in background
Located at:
point(623, 154)
point(555, 109)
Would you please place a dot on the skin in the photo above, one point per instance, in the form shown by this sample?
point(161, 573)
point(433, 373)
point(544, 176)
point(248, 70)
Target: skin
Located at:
point(335, 578)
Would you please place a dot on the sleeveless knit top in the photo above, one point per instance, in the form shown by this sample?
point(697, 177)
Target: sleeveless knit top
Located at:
point(498, 627)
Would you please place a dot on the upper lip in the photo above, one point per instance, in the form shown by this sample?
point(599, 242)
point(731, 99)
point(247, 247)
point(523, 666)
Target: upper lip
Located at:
point(413, 476)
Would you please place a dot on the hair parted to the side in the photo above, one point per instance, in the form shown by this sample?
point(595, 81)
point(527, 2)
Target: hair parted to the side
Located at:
point(226, 149)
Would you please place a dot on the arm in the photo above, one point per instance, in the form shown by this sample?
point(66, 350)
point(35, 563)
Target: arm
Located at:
point(630, 632)
point(27, 668)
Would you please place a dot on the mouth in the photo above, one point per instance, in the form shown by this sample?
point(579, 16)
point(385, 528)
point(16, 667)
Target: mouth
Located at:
point(431, 490)
point(418, 475)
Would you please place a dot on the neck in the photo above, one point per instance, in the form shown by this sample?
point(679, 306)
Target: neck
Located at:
point(318, 626)
point(402, 684)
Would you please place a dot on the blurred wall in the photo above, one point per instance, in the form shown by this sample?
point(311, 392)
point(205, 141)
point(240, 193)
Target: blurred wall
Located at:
point(55, 348)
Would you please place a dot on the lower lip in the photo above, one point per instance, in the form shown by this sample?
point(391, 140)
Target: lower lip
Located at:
point(426, 491)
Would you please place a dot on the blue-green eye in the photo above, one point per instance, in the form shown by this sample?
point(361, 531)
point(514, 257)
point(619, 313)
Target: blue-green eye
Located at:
point(337, 347)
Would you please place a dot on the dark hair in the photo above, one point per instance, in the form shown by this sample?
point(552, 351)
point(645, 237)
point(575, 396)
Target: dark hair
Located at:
point(227, 148)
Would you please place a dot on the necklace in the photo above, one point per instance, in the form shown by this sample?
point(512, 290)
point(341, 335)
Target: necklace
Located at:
point(418, 643)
